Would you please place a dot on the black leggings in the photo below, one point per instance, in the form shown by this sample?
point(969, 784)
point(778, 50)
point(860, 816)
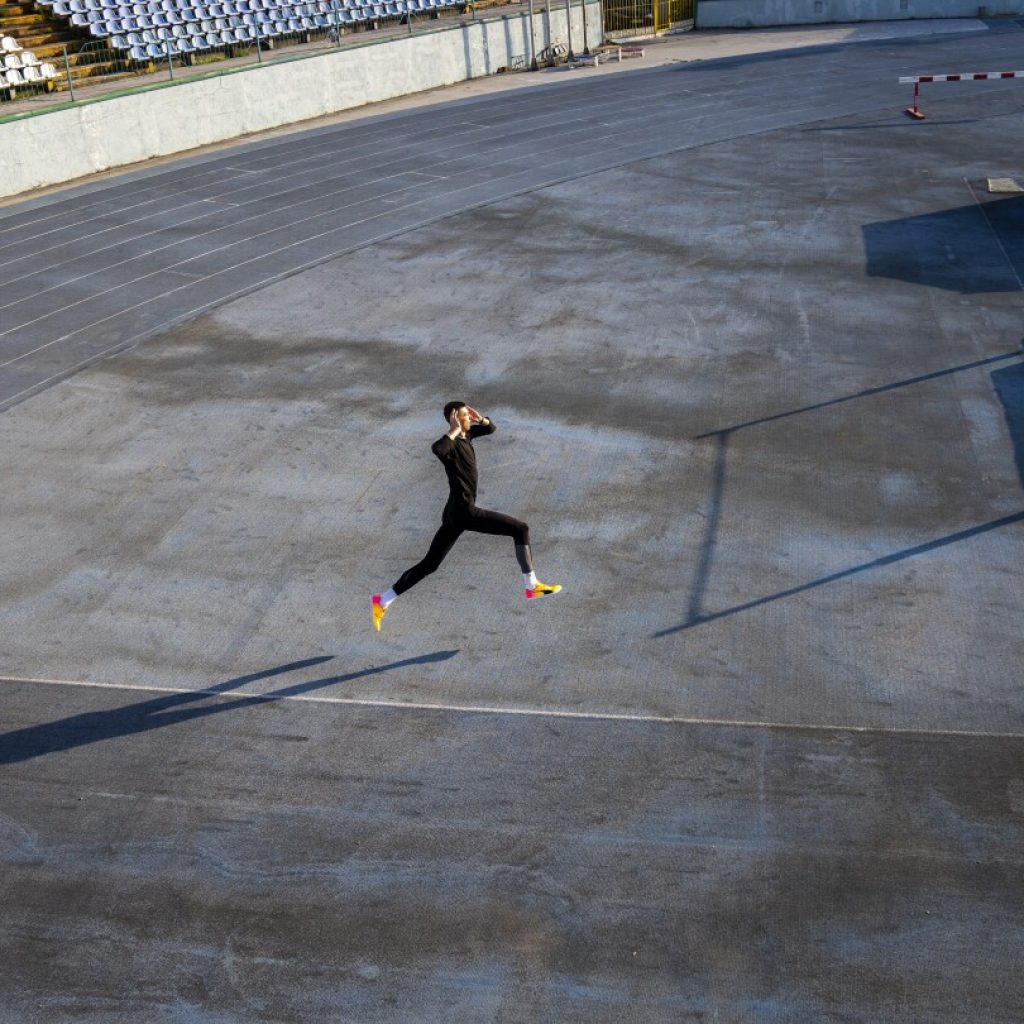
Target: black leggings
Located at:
point(455, 521)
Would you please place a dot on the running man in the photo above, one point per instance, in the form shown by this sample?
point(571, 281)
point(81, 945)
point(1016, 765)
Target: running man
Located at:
point(455, 450)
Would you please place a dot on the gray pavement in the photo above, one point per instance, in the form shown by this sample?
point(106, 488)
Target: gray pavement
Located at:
point(753, 344)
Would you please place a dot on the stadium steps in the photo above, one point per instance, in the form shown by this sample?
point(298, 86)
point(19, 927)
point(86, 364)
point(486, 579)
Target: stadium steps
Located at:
point(47, 36)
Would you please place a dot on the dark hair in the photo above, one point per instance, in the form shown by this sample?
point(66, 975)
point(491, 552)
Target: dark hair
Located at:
point(450, 407)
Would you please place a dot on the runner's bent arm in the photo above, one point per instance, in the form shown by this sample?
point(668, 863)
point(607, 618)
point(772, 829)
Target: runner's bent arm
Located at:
point(481, 429)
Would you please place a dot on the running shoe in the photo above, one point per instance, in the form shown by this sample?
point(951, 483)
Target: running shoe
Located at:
point(378, 612)
point(542, 590)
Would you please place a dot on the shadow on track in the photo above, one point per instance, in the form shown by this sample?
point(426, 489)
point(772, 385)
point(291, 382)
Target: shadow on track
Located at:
point(875, 563)
point(1008, 384)
point(952, 249)
point(170, 709)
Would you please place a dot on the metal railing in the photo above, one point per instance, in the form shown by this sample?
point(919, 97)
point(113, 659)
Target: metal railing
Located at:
point(646, 17)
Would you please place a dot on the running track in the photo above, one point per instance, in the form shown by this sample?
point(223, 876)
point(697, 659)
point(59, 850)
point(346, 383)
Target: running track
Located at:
point(88, 272)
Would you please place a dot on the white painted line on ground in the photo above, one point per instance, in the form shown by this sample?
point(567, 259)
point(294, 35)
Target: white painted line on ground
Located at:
point(520, 712)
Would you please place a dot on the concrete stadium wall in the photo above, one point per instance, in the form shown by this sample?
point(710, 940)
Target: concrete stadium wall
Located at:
point(65, 144)
point(764, 13)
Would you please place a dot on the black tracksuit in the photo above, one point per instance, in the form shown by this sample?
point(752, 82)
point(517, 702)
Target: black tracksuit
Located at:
point(461, 512)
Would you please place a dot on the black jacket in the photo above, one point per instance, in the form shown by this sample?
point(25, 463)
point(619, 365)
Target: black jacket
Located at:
point(459, 462)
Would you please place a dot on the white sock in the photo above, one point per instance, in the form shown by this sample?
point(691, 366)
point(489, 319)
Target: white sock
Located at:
point(387, 597)
point(529, 580)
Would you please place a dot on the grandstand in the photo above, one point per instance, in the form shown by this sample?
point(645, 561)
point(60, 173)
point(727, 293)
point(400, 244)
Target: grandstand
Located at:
point(52, 43)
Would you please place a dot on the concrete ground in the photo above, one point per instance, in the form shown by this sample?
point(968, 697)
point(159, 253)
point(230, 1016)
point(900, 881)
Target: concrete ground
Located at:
point(752, 340)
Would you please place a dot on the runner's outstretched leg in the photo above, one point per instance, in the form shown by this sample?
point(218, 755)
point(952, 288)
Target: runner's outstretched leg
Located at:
point(482, 520)
point(442, 543)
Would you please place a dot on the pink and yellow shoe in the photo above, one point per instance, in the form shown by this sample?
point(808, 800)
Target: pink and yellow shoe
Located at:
point(542, 590)
point(378, 612)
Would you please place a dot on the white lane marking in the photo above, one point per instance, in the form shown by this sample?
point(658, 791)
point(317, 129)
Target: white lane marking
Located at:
point(319, 216)
point(288, 176)
point(253, 286)
point(190, 180)
point(520, 712)
point(260, 202)
point(330, 158)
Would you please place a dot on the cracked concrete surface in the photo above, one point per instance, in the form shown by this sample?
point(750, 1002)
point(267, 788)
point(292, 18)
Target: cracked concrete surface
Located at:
point(763, 758)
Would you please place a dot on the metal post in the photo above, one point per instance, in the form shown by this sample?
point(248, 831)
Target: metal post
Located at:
point(568, 22)
point(259, 46)
point(408, 17)
point(167, 51)
point(67, 71)
point(533, 42)
point(586, 45)
point(337, 22)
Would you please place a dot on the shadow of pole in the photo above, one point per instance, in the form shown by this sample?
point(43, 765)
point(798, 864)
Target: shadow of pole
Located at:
point(880, 389)
point(710, 538)
point(96, 726)
point(877, 563)
point(1008, 384)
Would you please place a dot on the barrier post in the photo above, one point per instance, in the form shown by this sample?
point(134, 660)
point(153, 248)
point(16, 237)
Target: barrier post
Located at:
point(568, 23)
point(583, 10)
point(963, 76)
point(67, 71)
point(259, 40)
point(912, 111)
point(167, 52)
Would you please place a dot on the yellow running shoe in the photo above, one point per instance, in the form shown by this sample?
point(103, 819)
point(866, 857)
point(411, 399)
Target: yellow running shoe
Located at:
point(542, 589)
point(378, 612)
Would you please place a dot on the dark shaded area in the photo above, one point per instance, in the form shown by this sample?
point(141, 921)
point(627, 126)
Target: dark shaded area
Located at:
point(1009, 387)
point(971, 249)
point(96, 726)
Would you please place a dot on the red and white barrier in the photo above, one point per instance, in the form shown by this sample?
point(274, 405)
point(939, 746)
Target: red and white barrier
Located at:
point(971, 76)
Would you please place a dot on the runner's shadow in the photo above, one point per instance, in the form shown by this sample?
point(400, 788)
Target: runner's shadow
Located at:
point(173, 708)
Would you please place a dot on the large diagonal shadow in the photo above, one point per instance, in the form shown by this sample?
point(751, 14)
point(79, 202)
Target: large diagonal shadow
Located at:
point(875, 563)
point(170, 709)
point(1009, 386)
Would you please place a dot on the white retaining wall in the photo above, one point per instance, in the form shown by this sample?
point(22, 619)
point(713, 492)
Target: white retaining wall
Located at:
point(59, 146)
point(763, 13)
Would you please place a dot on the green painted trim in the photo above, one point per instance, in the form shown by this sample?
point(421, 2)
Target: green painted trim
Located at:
point(262, 65)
